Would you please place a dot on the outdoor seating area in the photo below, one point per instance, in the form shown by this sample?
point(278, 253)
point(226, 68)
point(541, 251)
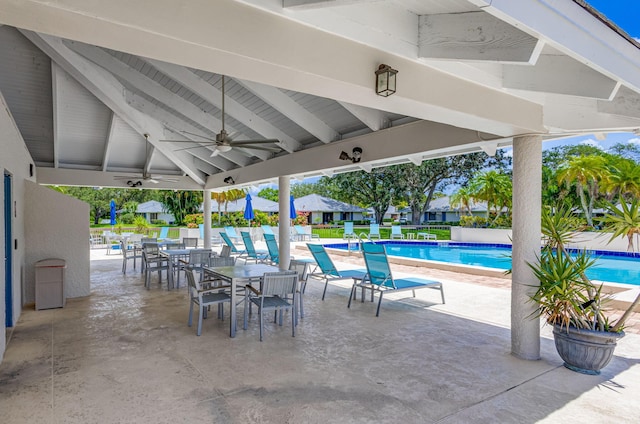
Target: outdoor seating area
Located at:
point(150, 366)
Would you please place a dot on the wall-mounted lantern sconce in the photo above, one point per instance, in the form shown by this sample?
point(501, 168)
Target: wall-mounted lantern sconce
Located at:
point(134, 183)
point(356, 155)
point(385, 80)
point(229, 180)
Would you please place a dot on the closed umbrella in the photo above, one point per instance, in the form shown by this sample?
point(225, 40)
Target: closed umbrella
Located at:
point(112, 212)
point(292, 208)
point(248, 209)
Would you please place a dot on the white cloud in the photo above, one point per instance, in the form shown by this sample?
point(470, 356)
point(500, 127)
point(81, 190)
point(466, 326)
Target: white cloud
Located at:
point(591, 142)
point(508, 152)
point(634, 141)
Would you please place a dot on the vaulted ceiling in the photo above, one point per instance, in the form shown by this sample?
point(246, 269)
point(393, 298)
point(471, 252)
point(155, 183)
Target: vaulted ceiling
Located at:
point(100, 89)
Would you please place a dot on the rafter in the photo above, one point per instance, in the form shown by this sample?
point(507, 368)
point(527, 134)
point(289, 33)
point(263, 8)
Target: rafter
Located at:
point(475, 36)
point(151, 88)
point(292, 110)
point(234, 109)
point(560, 75)
point(109, 91)
point(107, 141)
point(372, 118)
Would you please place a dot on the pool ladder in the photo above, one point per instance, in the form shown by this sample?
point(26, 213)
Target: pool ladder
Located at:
point(361, 238)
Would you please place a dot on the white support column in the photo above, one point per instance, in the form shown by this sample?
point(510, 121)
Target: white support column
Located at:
point(527, 199)
point(207, 219)
point(284, 192)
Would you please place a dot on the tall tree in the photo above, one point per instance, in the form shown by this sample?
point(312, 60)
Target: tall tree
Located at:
point(622, 180)
point(586, 172)
point(462, 198)
point(269, 193)
point(181, 203)
point(418, 184)
point(493, 187)
point(224, 197)
point(627, 150)
point(373, 189)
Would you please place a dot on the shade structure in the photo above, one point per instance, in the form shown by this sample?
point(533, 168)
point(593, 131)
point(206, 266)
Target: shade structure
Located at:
point(292, 208)
point(248, 209)
point(112, 212)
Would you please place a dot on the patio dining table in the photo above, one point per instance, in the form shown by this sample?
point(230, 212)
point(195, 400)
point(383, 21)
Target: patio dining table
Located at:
point(173, 255)
point(235, 275)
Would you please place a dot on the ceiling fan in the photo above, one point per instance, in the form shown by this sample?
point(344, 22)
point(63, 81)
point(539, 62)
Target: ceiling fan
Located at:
point(223, 143)
point(136, 181)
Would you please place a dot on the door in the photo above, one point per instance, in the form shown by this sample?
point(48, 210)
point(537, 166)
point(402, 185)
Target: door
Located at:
point(8, 251)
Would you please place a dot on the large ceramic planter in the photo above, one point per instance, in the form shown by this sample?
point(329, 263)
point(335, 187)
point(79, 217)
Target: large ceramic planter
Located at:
point(585, 351)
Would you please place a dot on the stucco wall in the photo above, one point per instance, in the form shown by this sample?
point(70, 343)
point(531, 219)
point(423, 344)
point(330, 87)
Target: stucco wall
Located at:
point(14, 160)
point(57, 227)
point(481, 235)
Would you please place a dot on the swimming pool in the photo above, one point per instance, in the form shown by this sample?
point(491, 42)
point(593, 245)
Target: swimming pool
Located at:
point(617, 267)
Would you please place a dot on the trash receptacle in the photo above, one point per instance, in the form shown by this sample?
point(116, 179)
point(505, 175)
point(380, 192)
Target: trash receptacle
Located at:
point(50, 283)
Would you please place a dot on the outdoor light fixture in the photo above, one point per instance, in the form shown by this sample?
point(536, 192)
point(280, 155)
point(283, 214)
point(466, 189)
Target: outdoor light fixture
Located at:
point(356, 155)
point(229, 180)
point(385, 80)
point(134, 183)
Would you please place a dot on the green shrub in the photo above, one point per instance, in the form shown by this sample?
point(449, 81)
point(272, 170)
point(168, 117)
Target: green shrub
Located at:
point(141, 224)
point(161, 222)
point(127, 218)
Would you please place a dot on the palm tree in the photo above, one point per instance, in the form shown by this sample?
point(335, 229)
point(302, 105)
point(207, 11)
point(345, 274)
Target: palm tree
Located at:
point(623, 179)
point(624, 221)
point(493, 187)
point(586, 172)
point(226, 197)
point(462, 198)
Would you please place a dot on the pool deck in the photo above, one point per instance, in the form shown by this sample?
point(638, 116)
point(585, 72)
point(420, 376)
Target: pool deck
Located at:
point(622, 295)
point(125, 354)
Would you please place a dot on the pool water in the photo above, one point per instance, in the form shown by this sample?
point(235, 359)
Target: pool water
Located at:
point(617, 267)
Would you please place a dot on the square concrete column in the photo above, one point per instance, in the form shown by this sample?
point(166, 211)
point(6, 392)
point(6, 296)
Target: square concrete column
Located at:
point(284, 249)
point(527, 200)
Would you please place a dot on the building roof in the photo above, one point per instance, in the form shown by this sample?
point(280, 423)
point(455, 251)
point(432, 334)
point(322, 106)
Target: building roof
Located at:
point(258, 203)
point(317, 203)
point(152, 206)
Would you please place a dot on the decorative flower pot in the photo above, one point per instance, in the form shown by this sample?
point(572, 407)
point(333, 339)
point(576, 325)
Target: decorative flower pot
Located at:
point(585, 351)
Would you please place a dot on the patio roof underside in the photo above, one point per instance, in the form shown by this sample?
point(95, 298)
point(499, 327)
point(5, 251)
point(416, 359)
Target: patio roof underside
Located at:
point(85, 81)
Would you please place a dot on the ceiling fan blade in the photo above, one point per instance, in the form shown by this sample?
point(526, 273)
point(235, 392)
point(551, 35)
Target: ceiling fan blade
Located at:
point(152, 180)
point(213, 140)
point(268, 141)
point(251, 147)
point(195, 147)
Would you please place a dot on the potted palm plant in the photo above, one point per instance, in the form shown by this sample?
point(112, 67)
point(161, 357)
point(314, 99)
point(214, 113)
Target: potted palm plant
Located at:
point(584, 336)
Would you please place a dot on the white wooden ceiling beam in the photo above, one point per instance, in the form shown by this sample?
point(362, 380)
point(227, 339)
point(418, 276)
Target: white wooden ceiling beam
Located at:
point(560, 75)
point(88, 178)
point(109, 91)
point(318, 4)
point(213, 95)
point(625, 103)
point(292, 110)
point(372, 118)
point(270, 47)
point(108, 141)
point(569, 28)
point(474, 36)
point(389, 145)
point(581, 115)
point(151, 88)
point(176, 124)
point(57, 103)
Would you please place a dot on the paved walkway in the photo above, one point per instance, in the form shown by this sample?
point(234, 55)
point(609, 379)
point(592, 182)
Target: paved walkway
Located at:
point(125, 354)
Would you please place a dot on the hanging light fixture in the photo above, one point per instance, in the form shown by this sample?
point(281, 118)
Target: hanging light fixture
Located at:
point(385, 80)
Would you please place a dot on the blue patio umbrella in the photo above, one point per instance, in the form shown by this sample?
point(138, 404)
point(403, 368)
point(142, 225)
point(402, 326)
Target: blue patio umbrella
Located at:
point(248, 209)
point(112, 212)
point(292, 208)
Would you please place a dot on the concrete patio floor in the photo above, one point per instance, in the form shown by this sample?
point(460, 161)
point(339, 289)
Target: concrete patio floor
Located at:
point(125, 354)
